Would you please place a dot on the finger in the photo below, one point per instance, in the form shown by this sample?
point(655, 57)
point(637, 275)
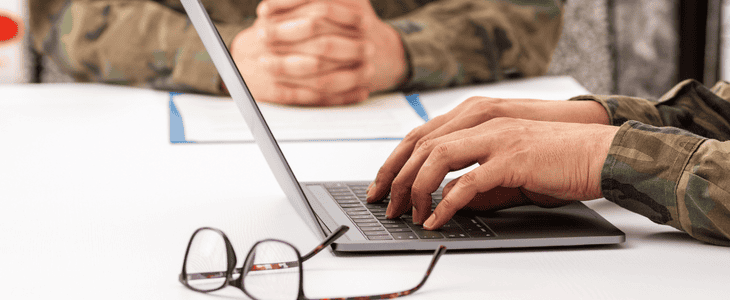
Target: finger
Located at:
point(463, 120)
point(401, 194)
point(297, 65)
point(494, 199)
point(432, 161)
point(448, 187)
point(328, 11)
point(328, 47)
point(303, 29)
point(383, 182)
point(421, 199)
point(422, 149)
point(270, 7)
point(484, 178)
point(292, 95)
point(335, 82)
point(444, 157)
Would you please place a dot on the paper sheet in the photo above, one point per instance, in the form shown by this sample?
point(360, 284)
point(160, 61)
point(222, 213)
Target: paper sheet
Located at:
point(385, 116)
point(217, 119)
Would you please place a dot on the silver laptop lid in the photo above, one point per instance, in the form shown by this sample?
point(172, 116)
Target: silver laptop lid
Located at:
point(249, 109)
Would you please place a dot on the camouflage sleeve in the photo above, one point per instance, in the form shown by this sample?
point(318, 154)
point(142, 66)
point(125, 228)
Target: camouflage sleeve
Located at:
point(689, 106)
point(457, 42)
point(673, 177)
point(140, 43)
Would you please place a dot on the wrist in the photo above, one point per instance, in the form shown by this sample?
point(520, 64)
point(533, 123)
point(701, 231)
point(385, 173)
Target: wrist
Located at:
point(592, 112)
point(603, 143)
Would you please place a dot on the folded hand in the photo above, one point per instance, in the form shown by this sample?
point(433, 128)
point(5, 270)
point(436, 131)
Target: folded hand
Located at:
point(314, 52)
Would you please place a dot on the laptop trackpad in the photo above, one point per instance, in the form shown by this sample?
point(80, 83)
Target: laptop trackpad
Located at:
point(532, 221)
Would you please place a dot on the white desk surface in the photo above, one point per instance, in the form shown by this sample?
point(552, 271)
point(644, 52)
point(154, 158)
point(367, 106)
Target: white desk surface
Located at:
point(97, 204)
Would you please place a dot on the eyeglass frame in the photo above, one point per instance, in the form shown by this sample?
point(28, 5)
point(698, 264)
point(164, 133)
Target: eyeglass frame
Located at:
point(238, 282)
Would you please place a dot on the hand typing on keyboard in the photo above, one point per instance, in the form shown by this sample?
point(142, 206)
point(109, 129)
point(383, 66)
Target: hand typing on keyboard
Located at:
point(520, 161)
point(370, 218)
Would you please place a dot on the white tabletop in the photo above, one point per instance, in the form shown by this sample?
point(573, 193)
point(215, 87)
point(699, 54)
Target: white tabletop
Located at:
point(97, 204)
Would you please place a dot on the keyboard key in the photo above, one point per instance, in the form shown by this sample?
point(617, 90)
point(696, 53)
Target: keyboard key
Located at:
point(379, 237)
point(450, 225)
point(368, 216)
point(388, 221)
point(340, 193)
point(427, 234)
point(350, 205)
point(477, 231)
point(481, 234)
point(404, 236)
point(358, 213)
point(456, 235)
point(430, 235)
point(365, 221)
point(376, 208)
point(396, 225)
point(374, 231)
point(355, 209)
point(348, 201)
point(391, 230)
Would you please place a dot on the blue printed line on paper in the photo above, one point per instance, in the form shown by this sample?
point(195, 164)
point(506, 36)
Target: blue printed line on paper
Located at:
point(417, 106)
point(177, 130)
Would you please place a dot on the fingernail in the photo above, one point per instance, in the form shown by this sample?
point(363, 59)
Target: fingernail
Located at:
point(429, 223)
point(414, 214)
point(370, 191)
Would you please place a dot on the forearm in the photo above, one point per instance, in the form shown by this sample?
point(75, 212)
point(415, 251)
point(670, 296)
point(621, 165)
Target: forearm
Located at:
point(672, 177)
point(459, 42)
point(689, 106)
point(139, 43)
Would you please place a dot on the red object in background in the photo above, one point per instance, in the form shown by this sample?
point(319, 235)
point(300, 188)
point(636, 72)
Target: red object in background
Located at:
point(9, 29)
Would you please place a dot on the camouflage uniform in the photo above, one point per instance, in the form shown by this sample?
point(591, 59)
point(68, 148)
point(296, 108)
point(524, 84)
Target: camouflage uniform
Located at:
point(151, 43)
point(670, 160)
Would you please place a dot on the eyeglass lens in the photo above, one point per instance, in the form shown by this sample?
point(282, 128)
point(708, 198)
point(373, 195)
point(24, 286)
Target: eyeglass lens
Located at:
point(207, 261)
point(272, 271)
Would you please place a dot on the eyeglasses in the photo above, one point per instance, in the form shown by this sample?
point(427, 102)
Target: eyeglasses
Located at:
point(272, 269)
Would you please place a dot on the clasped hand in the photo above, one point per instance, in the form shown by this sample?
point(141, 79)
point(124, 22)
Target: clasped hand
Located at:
point(318, 52)
point(527, 151)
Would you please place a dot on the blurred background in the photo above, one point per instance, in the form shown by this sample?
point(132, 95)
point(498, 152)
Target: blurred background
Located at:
point(629, 47)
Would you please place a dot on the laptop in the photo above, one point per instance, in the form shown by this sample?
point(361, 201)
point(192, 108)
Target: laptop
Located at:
point(327, 205)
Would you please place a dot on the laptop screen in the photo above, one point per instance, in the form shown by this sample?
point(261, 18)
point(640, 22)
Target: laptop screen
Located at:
point(250, 111)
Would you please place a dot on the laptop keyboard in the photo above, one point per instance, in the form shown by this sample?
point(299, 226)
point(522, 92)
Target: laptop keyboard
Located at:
point(371, 221)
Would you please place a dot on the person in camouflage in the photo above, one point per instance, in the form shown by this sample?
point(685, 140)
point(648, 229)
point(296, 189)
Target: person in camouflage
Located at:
point(667, 160)
point(301, 51)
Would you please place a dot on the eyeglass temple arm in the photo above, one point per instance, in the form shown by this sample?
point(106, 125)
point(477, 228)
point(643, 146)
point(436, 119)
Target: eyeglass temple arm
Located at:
point(327, 241)
point(436, 255)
